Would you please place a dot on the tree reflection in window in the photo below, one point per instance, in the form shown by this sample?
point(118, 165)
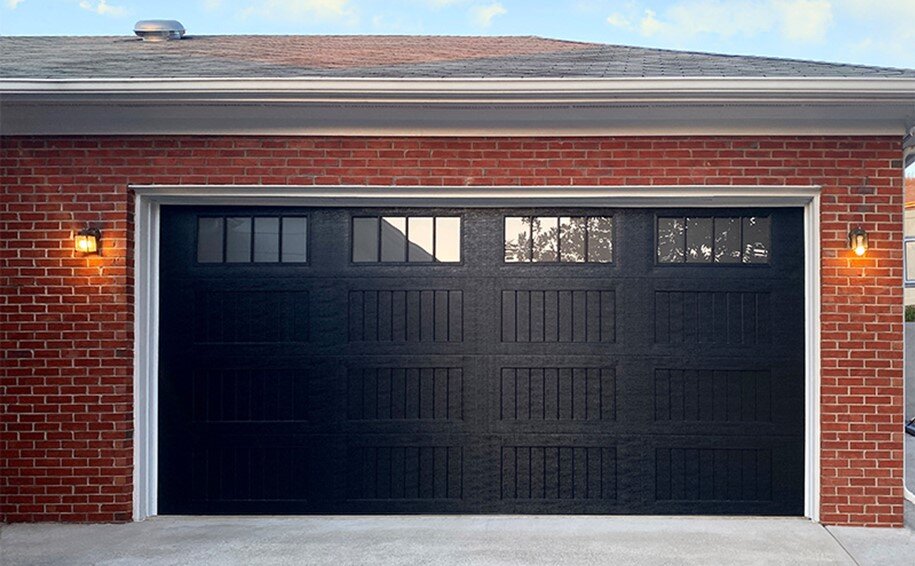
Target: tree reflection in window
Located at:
point(706, 240)
point(727, 240)
point(698, 240)
point(545, 236)
point(551, 239)
point(518, 239)
point(756, 240)
point(671, 240)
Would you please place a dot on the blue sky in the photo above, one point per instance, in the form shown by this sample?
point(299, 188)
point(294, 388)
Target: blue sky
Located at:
point(874, 32)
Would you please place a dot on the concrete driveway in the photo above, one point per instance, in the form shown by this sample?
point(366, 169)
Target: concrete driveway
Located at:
point(455, 540)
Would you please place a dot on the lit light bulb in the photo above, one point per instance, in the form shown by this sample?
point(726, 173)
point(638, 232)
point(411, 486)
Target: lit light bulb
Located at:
point(86, 241)
point(857, 241)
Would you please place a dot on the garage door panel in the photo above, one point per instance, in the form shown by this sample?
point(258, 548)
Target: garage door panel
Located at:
point(725, 475)
point(720, 319)
point(382, 394)
point(558, 472)
point(398, 472)
point(727, 396)
point(416, 472)
point(253, 472)
point(419, 315)
point(558, 315)
point(480, 386)
point(244, 471)
point(251, 316)
point(535, 395)
point(252, 394)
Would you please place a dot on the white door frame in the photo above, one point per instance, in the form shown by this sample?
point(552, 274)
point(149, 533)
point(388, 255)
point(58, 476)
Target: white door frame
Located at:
point(149, 199)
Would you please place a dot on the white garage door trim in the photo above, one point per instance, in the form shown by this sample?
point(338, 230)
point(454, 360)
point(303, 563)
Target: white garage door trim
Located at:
point(149, 199)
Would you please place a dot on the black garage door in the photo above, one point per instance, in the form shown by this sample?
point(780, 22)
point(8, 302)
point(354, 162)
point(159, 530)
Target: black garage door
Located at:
point(481, 361)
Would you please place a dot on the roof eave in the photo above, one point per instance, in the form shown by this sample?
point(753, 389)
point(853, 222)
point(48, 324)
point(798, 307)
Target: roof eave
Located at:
point(485, 106)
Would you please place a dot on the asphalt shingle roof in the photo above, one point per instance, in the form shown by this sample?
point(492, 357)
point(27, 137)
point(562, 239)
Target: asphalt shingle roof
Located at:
point(244, 56)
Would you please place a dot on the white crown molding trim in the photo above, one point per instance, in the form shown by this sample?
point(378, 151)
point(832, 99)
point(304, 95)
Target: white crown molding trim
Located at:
point(149, 199)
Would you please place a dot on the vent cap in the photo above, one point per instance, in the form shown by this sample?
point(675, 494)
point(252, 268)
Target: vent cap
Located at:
point(159, 30)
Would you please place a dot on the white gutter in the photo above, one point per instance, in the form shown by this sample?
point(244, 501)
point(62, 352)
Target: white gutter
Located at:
point(541, 90)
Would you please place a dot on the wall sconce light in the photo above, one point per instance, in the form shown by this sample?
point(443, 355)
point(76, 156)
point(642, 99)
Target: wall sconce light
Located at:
point(86, 240)
point(857, 241)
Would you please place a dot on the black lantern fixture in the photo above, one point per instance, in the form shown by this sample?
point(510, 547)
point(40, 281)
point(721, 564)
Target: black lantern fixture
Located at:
point(857, 241)
point(86, 240)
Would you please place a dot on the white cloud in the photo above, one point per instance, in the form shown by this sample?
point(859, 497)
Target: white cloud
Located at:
point(212, 5)
point(11, 4)
point(885, 35)
point(619, 21)
point(804, 20)
point(300, 10)
point(102, 8)
point(794, 20)
point(483, 15)
point(650, 25)
point(896, 17)
point(889, 10)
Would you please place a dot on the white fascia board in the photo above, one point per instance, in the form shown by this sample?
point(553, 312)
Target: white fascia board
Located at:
point(462, 107)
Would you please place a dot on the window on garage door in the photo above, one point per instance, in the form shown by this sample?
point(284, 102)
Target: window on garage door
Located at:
point(564, 239)
point(406, 239)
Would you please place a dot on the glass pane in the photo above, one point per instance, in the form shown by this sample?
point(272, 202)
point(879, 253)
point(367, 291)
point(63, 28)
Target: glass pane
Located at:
point(421, 238)
point(756, 239)
point(295, 239)
point(572, 239)
point(910, 261)
point(698, 240)
point(600, 239)
point(671, 240)
point(448, 239)
point(365, 239)
point(394, 238)
point(266, 239)
point(727, 240)
point(517, 239)
point(209, 240)
point(545, 233)
point(238, 240)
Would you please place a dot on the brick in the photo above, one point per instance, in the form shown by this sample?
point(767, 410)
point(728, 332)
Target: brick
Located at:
point(66, 324)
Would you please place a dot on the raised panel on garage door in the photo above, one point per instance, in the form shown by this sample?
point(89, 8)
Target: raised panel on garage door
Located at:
point(481, 361)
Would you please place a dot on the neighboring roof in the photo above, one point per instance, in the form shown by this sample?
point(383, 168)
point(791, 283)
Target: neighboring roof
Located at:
point(273, 56)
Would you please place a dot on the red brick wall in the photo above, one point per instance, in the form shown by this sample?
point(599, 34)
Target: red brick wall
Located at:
point(67, 320)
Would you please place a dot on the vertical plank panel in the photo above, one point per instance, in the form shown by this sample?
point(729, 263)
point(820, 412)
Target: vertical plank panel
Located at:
point(509, 328)
point(537, 316)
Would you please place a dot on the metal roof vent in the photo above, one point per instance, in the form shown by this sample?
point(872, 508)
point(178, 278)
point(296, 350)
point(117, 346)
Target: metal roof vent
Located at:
point(159, 30)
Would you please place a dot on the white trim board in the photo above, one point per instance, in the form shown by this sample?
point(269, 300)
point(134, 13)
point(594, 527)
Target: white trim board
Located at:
point(149, 199)
point(459, 107)
point(60, 116)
